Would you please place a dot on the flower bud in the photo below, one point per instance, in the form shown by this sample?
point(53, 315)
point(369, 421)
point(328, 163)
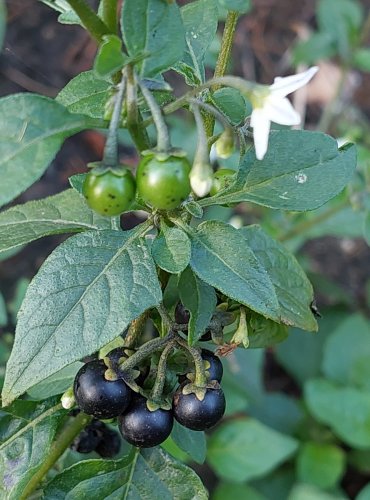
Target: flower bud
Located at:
point(201, 178)
point(225, 144)
point(68, 400)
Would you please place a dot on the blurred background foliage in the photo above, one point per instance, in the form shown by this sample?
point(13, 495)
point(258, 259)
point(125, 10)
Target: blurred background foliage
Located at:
point(298, 415)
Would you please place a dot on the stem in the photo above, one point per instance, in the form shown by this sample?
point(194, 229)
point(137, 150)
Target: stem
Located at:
point(109, 14)
point(116, 223)
point(200, 373)
point(157, 389)
point(145, 351)
point(135, 330)
point(201, 155)
point(222, 60)
point(135, 125)
point(91, 21)
point(305, 225)
point(163, 139)
point(212, 111)
point(235, 82)
point(110, 157)
point(65, 438)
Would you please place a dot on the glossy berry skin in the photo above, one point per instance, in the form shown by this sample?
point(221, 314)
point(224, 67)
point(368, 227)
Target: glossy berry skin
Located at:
point(97, 396)
point(163, 184)
point(144, 428)
point(215, 369)
point(222, 179)
point(109, 194)
point(199, 415)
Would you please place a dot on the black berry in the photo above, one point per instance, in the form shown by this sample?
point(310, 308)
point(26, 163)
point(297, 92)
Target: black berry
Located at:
point(199, 415)
point(215, 368)
point(144, 428)
point(97, 396)
point(109, 445)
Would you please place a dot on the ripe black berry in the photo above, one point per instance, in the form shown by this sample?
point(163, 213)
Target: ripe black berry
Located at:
point(109, 445)
point(199, 415)
point(88, 439)
point(215, 369)
point(97, 396)
point(144, 428)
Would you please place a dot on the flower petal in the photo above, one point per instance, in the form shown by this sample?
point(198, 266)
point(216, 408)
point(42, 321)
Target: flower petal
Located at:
point(283, 86)
point(280, 110)
point(261, 129)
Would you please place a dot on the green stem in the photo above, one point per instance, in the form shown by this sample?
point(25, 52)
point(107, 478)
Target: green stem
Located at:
point(145, 350)
point(222, 60)
point(65, 438)
point(305, 225)
point(109, 14)
point(157, 389)
point(163, 138)
point(110, 158)
point(235, 82)
point(202, 154)
point(200, 372)
point(91, 21)
point(135, 125)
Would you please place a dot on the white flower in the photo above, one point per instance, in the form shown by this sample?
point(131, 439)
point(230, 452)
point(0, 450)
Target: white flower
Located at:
point(201, 178)
point(270, 104)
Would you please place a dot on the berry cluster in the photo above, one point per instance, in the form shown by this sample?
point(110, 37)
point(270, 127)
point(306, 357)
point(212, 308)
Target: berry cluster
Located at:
point(161, 184)
point(97, 437)
point(103, 390)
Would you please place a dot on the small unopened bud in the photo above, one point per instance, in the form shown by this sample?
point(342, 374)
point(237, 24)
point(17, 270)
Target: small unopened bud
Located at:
point(68, 399)
point(225, 144)
point(241, 334)
point(201, 178)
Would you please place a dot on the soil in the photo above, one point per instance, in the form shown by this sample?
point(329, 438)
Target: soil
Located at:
point(41, 56)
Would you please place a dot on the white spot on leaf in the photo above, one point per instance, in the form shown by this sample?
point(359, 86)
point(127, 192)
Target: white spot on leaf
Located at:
point(301, 178)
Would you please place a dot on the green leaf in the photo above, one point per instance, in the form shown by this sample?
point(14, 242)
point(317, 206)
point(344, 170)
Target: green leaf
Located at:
point(55, 384)
point(27, 430)
point(3, 313)
point(244, 449)
point(171, 249)
point(65, 212)
point(200, 20)
point(320, 464)
point(67, 14)
point(151, 473)
point(318, 46)
point(242, 6)
point(109, 58)
point(367, 228)
point(301, 171)
point(347, 352)
point(263, 332)
point(292, 287)
point(341, 19)
point(311, 345)
point(77, 182)
point(231, 103)
point(30, 136)
point(236, 492)
point(364, 493)
point(200, 300)
point(85, 94)
point(194, 209)
point(222, 258)
point(192, 442)
point(153, 28)
point(345, 409)
point(2, 22)
point(310, 492)
point(85, 294)
point(361, 59)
